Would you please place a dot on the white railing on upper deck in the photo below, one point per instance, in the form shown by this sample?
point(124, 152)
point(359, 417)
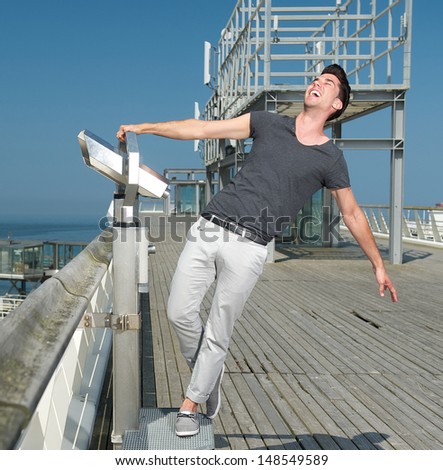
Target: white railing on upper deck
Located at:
point(420, 224)
point(269, 46)
point(9, 302)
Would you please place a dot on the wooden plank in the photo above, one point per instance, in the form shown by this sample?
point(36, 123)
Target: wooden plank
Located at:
point(432, 387)
point(294, 349)
point(275, 339)
point(372, 424)
point(326, 345)
point(363, 434)
point(369, 337)
point(245, 425)
point(396, 351)
point(320, 340)
point(379, 350)
point(304, 425)
point(263, 411)
point(233, 434)
point(256, 351)
point(430, 425)
point(175, 386)
point(409, 390)
point(342, 430)
point(161, 381)
point(394, 422)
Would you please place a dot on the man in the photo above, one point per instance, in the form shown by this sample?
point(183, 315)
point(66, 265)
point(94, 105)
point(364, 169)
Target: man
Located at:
point(289, 160)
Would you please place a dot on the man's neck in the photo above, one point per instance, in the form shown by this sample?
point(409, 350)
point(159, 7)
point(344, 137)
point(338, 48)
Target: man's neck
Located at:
point(309, 129)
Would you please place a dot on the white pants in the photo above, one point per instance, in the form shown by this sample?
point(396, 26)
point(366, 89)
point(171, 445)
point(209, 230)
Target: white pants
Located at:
point(236, 263)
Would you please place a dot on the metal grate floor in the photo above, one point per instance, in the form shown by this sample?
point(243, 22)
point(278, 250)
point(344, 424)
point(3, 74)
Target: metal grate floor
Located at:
point(157, 432)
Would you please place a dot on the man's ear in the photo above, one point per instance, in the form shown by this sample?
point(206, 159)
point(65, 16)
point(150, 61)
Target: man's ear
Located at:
point(337, 104)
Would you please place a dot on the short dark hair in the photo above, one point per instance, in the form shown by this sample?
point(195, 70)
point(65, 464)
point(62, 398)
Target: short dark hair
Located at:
point(345, 89)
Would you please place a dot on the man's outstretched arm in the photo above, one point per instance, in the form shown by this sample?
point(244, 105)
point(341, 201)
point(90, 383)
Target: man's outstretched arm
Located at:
point(355, 219)
point(192, 129)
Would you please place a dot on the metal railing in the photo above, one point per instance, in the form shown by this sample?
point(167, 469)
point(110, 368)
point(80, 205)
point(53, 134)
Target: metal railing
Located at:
point(267, 47)
point(420, 224)
point(10, 302)
point(35, 336)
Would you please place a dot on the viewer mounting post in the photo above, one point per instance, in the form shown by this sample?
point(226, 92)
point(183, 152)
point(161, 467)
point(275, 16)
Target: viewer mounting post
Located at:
point(130, 266)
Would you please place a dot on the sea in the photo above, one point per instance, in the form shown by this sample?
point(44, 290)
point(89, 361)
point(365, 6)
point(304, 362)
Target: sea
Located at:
point(66, 231)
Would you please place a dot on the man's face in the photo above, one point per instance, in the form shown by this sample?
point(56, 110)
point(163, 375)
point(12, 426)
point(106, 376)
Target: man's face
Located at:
point(323, 93)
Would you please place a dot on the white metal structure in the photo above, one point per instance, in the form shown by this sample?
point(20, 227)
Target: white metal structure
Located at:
point(270, 50)
point(9, 302)
point(420, 225)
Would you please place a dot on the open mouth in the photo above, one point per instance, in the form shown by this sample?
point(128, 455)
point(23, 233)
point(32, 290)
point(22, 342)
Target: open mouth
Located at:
point(315, 93)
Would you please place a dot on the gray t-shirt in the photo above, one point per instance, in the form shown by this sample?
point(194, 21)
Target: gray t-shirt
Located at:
point(278, 176)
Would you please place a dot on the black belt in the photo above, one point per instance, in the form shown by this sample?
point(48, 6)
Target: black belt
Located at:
point(235, 228)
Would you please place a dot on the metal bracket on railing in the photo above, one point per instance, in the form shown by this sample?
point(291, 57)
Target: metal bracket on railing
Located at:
point(96, 320)
point(131, 321)
point(128, 322)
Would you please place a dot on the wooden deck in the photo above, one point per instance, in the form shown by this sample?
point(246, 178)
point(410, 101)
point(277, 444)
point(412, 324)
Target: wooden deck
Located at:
point(318, 360)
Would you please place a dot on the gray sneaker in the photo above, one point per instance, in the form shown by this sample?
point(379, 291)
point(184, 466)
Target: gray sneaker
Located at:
point(214, 401)
point(187, 424)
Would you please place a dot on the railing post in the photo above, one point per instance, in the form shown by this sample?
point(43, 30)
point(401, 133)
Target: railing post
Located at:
point(396, 199)
point(126, 337)
point(436, 227)
point(267, 48)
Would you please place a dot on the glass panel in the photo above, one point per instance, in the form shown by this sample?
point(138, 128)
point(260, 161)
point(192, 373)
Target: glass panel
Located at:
point(309, 221)
point(17, 261)
point(67, 253)
point(186, 204)
point(32, 257)
point(202, 197)
point(49, 257)
point(5, 260)
point(61, 256)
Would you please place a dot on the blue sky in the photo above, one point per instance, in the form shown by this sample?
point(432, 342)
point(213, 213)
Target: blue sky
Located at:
point(95, 64)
